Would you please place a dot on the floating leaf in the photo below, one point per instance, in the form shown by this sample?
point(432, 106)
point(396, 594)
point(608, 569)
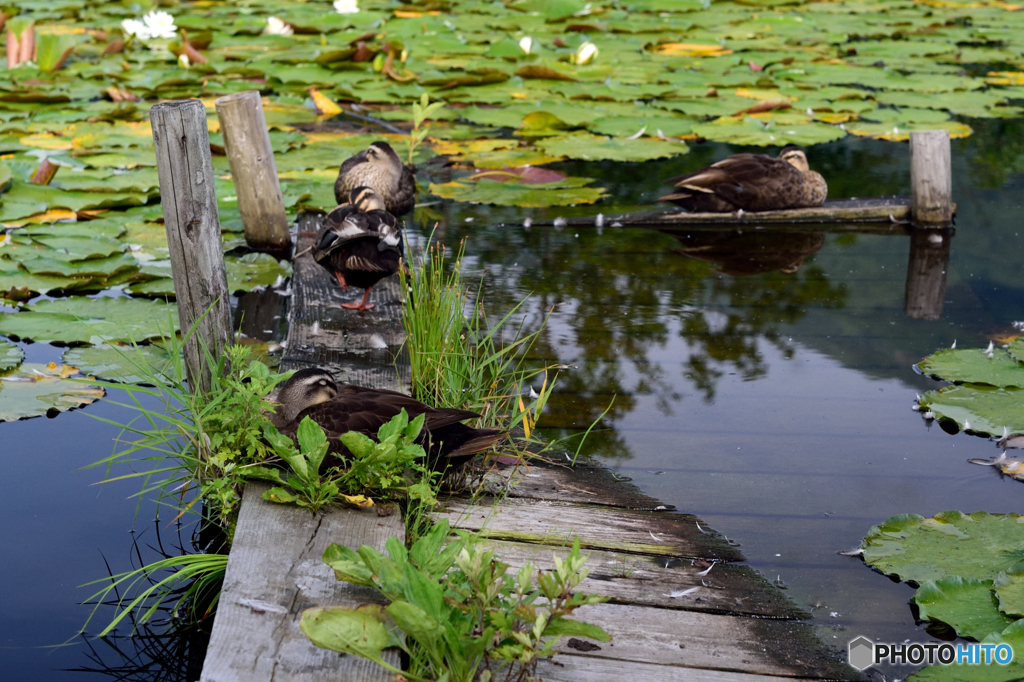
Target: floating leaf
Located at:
point(10, 355)
point(600, 148)
point(91, 320)
point(978, 545)
point(1009, 589)
point(752, 131)
point(34, 390)
point(974, 365)
point(981, 409)
point(965, 604)
point(254, 269)
point(565, 192)
point(120, 363)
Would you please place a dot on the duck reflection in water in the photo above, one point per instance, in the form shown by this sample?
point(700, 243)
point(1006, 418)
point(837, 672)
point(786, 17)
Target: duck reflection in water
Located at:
point(742, 253)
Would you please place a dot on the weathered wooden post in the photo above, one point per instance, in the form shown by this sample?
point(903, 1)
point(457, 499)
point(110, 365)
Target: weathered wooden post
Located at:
point(193, 231)
point(926, 273)
point(254, 172)
point(931, 178)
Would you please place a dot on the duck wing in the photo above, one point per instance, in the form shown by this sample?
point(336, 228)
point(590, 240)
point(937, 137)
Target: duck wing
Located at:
point(404, 198)
point(747, 181)
point(386, 227)
point(342, 226)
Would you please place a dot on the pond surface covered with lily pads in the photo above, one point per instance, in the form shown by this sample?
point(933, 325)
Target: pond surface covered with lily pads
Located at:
point(761, 381)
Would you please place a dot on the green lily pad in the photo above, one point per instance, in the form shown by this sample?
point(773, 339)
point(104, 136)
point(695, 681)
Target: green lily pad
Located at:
point(34, 390)
point(914, 548)
point(254, 269)
point(1016, 349)
point(600, 148)
point(10, 355)
point(973, 365)
point(566, 192)
point(120, 363)
point(978, 408)
point(92, 320)
point(1009, 589)
point(752, 131)
point(965, 604)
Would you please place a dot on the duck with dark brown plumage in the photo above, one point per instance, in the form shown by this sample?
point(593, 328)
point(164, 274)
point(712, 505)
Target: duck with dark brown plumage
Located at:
point(751, 182)
point(379, 168)
point(359, 243)
point(338, 409)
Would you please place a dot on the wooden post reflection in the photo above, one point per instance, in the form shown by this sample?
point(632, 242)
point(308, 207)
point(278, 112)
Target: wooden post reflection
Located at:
point(926, 273)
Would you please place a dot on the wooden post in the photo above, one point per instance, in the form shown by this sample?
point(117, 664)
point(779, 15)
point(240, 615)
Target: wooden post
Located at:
point(254, 172)
point(926, 274)
point(931, 178)
point(193, 231)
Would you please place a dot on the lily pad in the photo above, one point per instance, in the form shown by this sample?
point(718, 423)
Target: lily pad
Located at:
point(973, 365)
point(981, 409)
point(752, 131)
point(254, 269)
point(35, 389)
point(120, 363)
point(566, 192)
point(79, 319)
point(10, 355)
point(1016, 349)
point(1009, 589)
point(914, 548)
point(965, 604)
point(600, 148)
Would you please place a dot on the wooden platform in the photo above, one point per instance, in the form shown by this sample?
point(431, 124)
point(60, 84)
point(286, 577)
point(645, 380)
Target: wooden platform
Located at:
point(885, 215)
point(734, 627)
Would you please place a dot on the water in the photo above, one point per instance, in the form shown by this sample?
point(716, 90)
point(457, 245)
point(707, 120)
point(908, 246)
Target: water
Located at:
point(776, 406)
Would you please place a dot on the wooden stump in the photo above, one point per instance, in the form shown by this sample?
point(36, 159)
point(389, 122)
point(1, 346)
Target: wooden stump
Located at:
point(193, 232)
point(254, 172)
point(931, 178)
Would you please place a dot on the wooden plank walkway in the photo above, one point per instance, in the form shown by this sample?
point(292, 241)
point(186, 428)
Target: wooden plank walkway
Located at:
point(735, 627)
point(669, 616)
point(274, 570)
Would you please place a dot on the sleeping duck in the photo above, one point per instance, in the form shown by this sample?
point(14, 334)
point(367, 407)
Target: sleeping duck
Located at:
point(380, 169)
point(359, 243)
point(751, 182)
point(314, 393)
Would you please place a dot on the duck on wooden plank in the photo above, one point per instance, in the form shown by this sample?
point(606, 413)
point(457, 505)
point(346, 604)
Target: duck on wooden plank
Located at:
point(314, 393)
point(359, 243)
point(379, 168)
point(751, 182)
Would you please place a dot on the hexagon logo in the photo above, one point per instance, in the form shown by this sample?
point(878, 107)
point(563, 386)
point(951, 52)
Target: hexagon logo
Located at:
point(862, 653)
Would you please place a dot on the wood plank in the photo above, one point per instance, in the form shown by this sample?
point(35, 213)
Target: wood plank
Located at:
point(690, 639)
point(650, 581)
point(554, 523)
point(567, 668)
point(584, 485)
point(275, 572)
point(358, 348)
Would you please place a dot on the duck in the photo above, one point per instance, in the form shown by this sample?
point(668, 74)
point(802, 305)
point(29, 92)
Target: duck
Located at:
point(751, 182)
point(379, 168)
point(314, 393)
point(359, 243)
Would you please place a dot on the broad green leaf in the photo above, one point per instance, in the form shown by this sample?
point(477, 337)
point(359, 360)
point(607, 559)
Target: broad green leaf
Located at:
point(10, 355)
point(313, 443)
point(973, 365)
point(359, 444)
point(394, 426)
point(51, 48)
point(262, 473)
point(92, 320)
point(565, 627)
point(348, 565)
point(965, 604)
point(1009, 589)
point(600, 148)
point(360, 631)
point(1016, 349)
point(416, 623)
point(978, 545)
point(34, 390)
point(753, 131)
point(564, 193)
point(978, 408)
point(121, 363)
point(280, 496)
point(551, 9)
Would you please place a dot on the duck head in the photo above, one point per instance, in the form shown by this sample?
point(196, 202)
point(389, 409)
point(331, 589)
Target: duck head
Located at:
point(365, 199)
point(305, 388)
point(795, 157)
point(383, 157)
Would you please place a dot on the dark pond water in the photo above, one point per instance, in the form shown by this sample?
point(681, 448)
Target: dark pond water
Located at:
point(776, 405)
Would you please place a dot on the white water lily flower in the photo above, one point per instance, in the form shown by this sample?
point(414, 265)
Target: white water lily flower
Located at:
point(183, 61)
point(525, 44)
point(134, 27)
point(277, 27)
point(160, 25)
point(585, 53)
point(346, 6)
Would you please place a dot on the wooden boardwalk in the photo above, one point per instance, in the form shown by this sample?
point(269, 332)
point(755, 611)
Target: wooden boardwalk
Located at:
point(734, 627)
